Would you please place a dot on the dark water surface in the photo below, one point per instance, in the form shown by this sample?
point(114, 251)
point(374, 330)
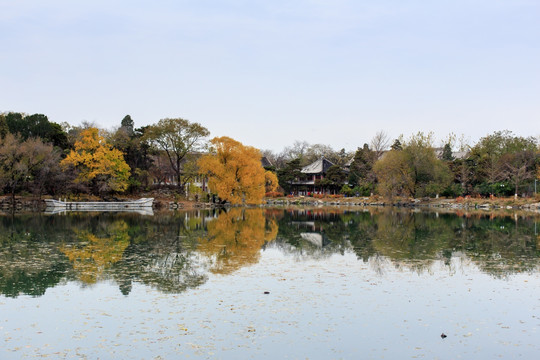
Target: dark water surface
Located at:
point(270, 284)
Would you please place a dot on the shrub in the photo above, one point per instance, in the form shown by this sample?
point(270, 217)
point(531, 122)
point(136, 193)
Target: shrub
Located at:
point(335, 196)
point(453, 190)
point(363, 190)
point(346, 190)
point(274, 194)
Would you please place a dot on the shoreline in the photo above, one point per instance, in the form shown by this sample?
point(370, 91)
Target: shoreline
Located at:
point(458, 204)
point(30, 203)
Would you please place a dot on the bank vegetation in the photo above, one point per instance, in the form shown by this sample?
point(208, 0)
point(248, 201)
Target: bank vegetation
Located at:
point(40, 158)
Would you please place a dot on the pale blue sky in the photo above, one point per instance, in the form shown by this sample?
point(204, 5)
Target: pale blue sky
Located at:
point(270, 72)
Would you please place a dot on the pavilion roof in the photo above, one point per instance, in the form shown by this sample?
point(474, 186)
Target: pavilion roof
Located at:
point(320, 166)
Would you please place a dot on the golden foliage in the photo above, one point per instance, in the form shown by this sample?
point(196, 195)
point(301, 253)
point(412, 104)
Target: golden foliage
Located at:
point(236, 237)
point(96, 254)
point(271, 181)
point(94, 158)
point(234, 171)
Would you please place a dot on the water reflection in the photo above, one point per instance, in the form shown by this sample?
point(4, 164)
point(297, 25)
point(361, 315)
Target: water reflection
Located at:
point(235, 239)
point(30, 260)
point(499, 243)
point(173, 252)
point(92, 253)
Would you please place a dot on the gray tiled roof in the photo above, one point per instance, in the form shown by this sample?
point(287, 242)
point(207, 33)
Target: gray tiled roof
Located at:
point(319, 166)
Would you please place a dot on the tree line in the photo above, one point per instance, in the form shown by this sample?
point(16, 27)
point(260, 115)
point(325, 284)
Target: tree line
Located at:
point(499, 164)
point(40, 157)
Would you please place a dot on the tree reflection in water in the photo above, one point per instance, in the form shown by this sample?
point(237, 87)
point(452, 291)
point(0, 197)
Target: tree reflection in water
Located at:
point(29, 261)
point(236, 237)
point(93, 253)
point(498, 243)
point(175, 251)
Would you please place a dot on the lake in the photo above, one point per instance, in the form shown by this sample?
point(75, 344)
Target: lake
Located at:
point(272, 283)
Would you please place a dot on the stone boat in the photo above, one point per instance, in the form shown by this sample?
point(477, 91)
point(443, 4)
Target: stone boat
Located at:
point(143, 203)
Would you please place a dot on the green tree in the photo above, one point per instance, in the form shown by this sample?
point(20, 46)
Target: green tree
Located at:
point(137, 152)
point(361, 171)
point(4, 129)
point(394, 174)
point(396, 145)
point(14, 121)
point(447, 153)
point(290, 173)
point(177, 138)
point(414, 170)
point(128, 125)
point(460, 170)
point(341, 157)
point(334, 179)
point(37, 125)
point(429, 174)
point(498, 164)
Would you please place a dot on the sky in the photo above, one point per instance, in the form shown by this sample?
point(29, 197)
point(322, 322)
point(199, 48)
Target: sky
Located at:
point(268, 73)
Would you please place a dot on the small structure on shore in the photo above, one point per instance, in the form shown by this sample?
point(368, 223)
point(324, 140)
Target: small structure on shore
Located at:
point(312, 176)
point(143, 203)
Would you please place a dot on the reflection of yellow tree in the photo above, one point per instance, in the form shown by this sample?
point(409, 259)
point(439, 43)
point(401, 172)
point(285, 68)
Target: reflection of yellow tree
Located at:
point(235, 238)
point(95, 254)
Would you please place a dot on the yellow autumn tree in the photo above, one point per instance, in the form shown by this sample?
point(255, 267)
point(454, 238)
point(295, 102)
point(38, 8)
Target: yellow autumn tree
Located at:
point(235, 172)
point(98, 162)
point(271, 181)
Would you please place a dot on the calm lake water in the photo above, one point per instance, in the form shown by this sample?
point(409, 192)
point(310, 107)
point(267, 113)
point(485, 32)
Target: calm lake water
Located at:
point(270, 284)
